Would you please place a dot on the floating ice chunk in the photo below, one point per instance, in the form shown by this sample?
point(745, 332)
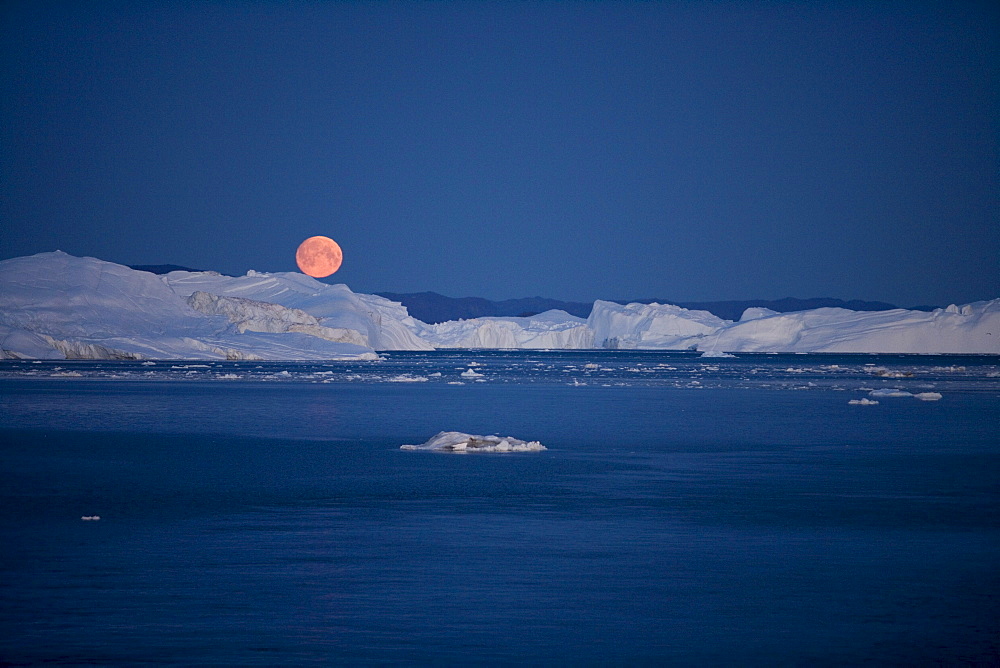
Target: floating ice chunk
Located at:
point(65, 374)
point(407, 378)
point(864, 401)
point(882, 372)
point(471, 373)
point(927, 396)
point(890, 392)
point(591, 365)
point(716, 353)
point(456, 441)
point(90, 518)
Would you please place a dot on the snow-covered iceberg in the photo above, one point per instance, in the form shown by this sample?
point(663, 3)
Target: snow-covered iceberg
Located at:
point(653, 326)
point(382, 324)
point(551, 329)
point(972, 328)
point(458, 442)
point(57, 306)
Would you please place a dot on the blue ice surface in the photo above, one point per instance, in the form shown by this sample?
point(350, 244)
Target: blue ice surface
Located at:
point(687, 511)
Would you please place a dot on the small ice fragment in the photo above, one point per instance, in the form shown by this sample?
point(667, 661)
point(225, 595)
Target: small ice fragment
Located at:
point(716, 353)
point(470, 373)
point(890, 392)
point(407, 378)
point(927, 396)
point(90, 518)
point(864, 401)
point(591, 365)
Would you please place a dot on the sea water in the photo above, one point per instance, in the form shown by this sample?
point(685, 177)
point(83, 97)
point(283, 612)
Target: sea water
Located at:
point(688, 510)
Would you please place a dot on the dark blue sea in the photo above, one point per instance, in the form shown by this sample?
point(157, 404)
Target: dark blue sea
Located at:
point(687, 511)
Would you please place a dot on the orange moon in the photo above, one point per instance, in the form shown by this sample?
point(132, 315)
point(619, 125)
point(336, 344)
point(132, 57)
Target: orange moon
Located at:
point(319, 256)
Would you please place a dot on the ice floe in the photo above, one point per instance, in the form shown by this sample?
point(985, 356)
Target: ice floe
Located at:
point(894, 392)
point(459, 442)
point(890, 392)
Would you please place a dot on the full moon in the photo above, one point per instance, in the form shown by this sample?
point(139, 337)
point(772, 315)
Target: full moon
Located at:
point(319, 256)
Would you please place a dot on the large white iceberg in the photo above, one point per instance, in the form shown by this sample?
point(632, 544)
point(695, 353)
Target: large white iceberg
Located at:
point(551, 329)
point(458, 442)
point(973, 328)
point(57, 306)
point(381, 323)
point(655, 326)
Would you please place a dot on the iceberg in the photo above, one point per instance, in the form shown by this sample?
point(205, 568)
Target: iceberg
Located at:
point(458, 442)
point(972, 328)
point(57, 306)
point(553, 329)
point(651, 326)
point(716, 353)
point(381, 324)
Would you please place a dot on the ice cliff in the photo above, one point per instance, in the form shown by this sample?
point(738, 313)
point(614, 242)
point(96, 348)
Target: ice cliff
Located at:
point(55, 306)
point(381, 324)
point(660, 326)
point(972, 328)
point(552, 329)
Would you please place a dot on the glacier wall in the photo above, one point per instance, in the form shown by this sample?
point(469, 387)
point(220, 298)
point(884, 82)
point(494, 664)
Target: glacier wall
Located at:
point(654, 326)
point(552, 329)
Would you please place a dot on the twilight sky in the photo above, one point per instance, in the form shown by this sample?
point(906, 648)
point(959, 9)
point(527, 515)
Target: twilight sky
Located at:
point(682, 150)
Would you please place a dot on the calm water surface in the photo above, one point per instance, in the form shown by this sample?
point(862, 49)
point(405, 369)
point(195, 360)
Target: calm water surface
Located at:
point(688, 510)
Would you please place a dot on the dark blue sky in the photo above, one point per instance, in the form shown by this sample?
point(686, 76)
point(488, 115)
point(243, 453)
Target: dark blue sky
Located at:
point(569, 150)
